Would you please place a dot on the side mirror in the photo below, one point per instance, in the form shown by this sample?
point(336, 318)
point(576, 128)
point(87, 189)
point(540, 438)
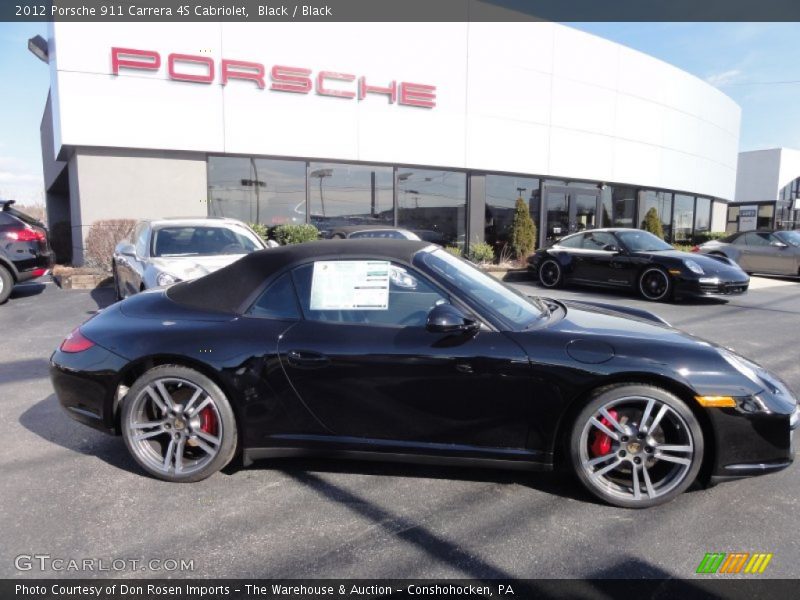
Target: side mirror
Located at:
point(446, 318)
point(612, 248)
point(778, 244)
point(126, 249)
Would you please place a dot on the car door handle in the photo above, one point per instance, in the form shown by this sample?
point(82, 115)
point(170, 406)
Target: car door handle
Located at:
point(304, 359)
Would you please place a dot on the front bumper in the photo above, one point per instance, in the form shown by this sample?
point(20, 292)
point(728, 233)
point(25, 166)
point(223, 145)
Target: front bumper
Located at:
point(711, 286)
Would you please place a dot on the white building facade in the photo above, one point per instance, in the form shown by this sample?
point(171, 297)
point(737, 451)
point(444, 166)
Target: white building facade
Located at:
point(437, 127)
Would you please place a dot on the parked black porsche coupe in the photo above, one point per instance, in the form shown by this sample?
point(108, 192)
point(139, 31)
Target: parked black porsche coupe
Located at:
point(397, 350)
point(638, 260)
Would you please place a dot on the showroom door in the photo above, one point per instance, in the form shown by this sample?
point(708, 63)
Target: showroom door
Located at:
point(568, 210)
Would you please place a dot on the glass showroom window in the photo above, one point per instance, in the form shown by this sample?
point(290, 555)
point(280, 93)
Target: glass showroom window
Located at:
point(702, 216)
point(683, 219)
point(350, 195)
point(766, 212)
point(257, 190)
point(623, 208)
point(501, 199)
point(433, 204)
point(662, 202)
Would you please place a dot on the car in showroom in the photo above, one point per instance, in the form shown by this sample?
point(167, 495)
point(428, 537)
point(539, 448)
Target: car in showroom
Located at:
point(637, 260)
point(24, 248)
point(164, 251)
point(396, 350)
point(770, 252)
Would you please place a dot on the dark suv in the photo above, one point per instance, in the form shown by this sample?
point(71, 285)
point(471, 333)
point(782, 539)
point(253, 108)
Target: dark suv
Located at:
point(24, 251)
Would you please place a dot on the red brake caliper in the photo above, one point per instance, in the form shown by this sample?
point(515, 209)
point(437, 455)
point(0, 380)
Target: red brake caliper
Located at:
point(208, 421)
point(601, 445)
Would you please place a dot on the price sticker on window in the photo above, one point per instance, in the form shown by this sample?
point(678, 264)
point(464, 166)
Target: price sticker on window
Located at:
point(350, 285)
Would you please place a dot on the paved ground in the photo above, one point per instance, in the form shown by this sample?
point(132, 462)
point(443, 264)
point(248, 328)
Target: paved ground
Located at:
point(71, 492)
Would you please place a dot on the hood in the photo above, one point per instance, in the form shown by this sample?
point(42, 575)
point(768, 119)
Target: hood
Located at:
point(712, 265)
point(192, 267)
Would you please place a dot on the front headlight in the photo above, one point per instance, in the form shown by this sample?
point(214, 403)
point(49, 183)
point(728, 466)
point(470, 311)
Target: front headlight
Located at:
point(693, 266)
point(166, 279)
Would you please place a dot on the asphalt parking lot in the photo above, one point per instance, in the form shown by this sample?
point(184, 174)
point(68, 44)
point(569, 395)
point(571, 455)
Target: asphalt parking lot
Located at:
point(71, 492)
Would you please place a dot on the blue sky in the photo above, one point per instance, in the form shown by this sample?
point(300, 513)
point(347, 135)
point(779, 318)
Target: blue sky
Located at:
point(742, 59)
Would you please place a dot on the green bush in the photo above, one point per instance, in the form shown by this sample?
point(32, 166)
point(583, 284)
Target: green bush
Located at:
point(652, 223)
point(701, 237)
point(523, 231)
point(260, 230)
point(295, 234)
point(454, 250)
point(481, 253)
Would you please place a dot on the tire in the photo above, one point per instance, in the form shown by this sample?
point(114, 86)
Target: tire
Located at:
point(6, 284)
point(115, 275)
point(655, 284)
point(631, 471)
point(206, 437)
point(551, 274)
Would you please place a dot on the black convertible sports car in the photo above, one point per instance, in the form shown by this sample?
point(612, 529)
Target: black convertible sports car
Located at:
point(638, 260)
point(396, 350)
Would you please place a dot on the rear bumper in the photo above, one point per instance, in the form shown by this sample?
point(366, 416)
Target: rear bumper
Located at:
point(31, 269)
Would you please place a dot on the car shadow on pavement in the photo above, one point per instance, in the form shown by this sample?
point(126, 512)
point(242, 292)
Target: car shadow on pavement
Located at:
point(103, 296)
point(46, 419)
point(554, 483)
point(26, 290)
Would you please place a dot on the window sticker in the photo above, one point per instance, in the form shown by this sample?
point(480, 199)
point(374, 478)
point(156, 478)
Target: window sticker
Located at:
point(350, 285)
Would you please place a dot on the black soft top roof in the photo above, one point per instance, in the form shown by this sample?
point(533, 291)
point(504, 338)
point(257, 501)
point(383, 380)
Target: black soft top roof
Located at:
point(226, 290)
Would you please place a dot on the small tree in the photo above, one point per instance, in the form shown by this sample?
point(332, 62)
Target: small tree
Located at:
point(523, 231)
point(652, 223)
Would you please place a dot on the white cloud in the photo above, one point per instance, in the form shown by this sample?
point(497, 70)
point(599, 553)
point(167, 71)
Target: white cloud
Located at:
point(724, 78)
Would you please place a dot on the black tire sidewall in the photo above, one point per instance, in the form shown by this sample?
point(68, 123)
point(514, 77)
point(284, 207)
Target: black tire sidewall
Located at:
point(115, 274)
point(610, 393)
point(229, 441)
point(8, 284)
point(670, 284)
point(558, 281)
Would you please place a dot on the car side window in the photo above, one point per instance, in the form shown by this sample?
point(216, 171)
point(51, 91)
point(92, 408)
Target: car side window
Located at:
point(140, 240)
point(739, 240)
point(278, 301)
point(573, 241)
point(757, 239)
point(410, 299)
point(598, 240)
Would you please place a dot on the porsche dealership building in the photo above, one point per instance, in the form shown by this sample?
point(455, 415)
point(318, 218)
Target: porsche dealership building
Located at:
point(436, 127)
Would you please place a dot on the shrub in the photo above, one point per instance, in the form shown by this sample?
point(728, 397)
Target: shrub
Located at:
point(260, 230)
point(481, 253)
point(701, 237)
point(523, 231)
point(101, 240)
point(652, 223)
point(295, 234)
point(454, 250)
point(60, 236)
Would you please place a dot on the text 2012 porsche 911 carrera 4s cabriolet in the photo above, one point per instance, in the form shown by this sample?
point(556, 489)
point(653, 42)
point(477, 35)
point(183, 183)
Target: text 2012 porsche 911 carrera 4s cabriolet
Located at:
point(396, 350)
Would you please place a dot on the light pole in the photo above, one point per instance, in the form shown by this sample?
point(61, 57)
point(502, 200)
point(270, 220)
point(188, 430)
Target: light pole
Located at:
point(321, 174)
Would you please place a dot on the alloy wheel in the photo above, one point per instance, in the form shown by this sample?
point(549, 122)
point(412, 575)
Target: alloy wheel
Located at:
point(654, 284)
point(174, 427)
point(550, 273)
point(636, 449)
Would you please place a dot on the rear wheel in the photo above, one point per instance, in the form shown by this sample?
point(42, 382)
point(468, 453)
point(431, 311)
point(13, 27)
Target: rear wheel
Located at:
point(178, 424)
point(551, 274)
point(636, 446)
point(6, 284)
point(655, 284)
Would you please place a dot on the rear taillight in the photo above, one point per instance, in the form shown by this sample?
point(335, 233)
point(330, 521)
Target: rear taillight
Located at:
point(695, 248)
point(76, 342)
point(38, 272)
point(26, 234)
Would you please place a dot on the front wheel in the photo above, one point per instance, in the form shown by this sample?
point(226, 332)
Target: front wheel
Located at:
point(636, 446)
point(6, 284)
point(178, 424)
point(550, 274)
point(655, 284)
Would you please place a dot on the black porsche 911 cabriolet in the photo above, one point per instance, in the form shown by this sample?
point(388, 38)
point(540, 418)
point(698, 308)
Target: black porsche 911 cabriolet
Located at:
point(397, 350)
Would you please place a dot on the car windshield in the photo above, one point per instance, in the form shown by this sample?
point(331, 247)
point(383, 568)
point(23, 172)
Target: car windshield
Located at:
point(642, 241)
point(504, 302)
point(789, 237)
point(202, 240)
